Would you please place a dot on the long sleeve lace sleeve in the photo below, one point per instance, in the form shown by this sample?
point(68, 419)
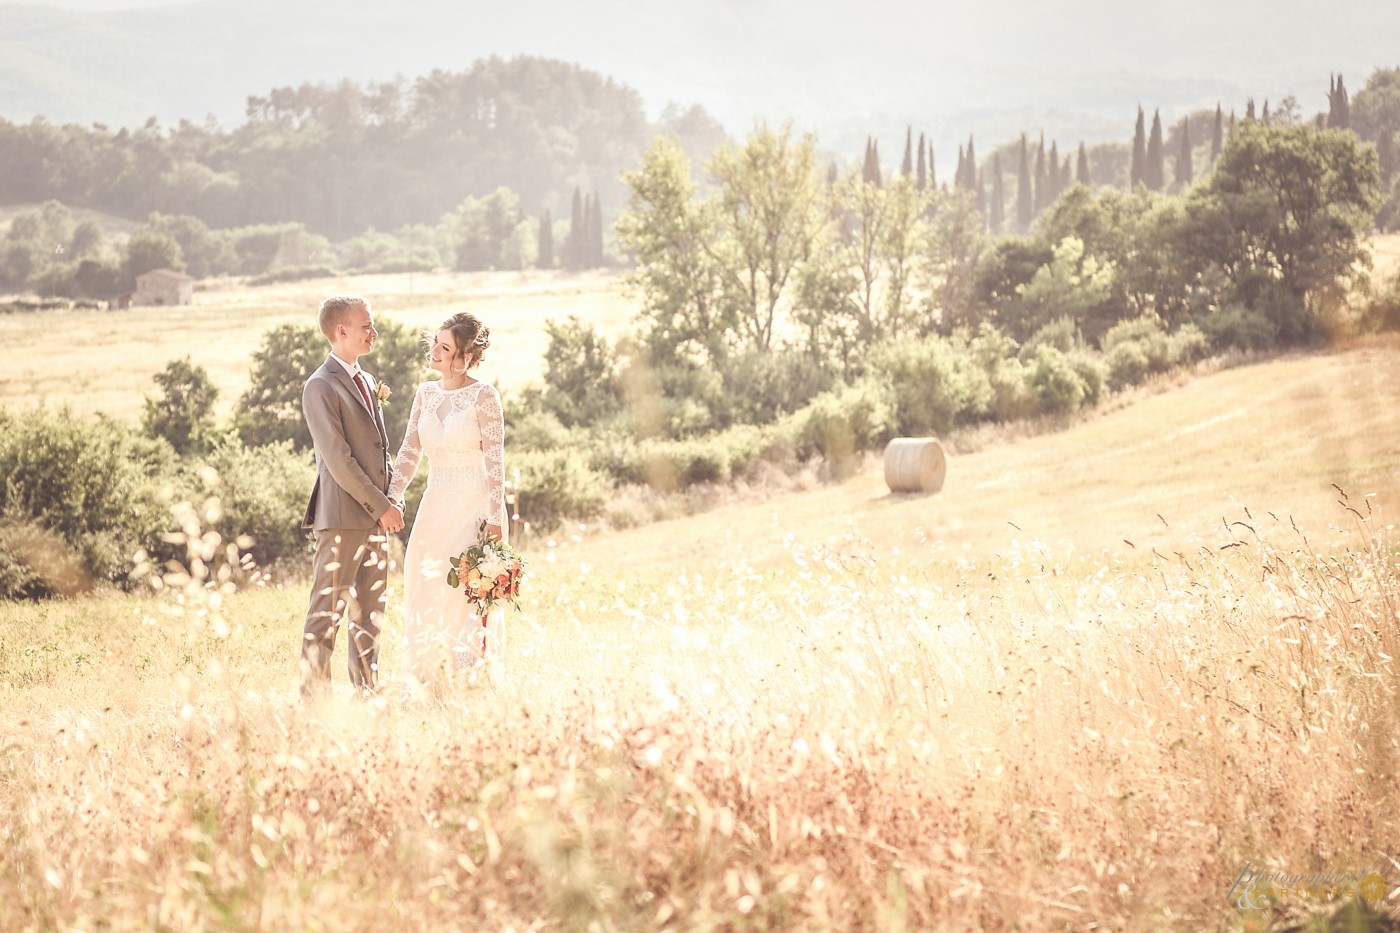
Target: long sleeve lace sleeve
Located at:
point(490, 420)
point(410, 452)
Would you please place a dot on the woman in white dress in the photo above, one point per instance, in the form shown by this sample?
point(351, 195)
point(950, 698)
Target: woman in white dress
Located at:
point(458, 423)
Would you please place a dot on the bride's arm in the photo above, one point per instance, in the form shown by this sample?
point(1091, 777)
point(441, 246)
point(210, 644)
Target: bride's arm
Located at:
point(410, 454)
point(490, 421)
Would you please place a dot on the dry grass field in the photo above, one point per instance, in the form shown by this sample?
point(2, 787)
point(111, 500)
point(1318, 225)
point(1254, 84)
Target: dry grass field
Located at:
point(1087, 686)
point(101, 361)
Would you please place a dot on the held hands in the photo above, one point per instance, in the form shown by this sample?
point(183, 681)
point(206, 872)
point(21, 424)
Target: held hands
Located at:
point(392, 519)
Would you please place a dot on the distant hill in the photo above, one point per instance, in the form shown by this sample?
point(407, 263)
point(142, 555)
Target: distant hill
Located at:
point(846, 70)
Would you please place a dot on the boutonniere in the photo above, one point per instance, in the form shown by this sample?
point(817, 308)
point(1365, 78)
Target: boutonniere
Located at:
point(382, 392)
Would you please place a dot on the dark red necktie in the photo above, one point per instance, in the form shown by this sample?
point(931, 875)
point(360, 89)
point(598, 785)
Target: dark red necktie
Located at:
point(364, 393)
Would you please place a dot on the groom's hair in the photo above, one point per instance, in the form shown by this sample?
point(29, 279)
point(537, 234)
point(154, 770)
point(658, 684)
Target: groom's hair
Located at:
point(335, 310)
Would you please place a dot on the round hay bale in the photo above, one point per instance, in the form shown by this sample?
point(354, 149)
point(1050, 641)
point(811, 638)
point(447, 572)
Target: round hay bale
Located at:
point(915, 464)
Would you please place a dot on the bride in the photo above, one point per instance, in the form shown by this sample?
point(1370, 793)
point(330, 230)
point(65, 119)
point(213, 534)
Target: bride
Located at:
point(458, 422)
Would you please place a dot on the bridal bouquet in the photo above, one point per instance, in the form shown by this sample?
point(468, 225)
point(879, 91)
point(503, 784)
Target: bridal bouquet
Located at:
point(489, 572)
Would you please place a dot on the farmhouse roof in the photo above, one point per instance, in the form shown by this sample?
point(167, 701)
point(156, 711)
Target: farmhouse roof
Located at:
point(169, 274)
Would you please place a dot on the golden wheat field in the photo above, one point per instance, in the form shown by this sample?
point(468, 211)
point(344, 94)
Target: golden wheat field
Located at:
point(1107, 679)
point(103, 361)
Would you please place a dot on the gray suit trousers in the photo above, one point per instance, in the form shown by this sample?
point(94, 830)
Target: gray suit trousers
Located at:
point(351, 574)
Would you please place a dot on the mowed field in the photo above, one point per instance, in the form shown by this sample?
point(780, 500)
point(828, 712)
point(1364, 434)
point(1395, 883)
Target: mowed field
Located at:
point(1100, 677)
point(103, 361)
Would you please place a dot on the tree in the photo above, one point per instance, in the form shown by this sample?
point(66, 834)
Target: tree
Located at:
point(1385, 156)
point(1024, 216)
point(181, 413)
point(960, 175)
point(871, 172)
point(270, 410)
point(147, 250)
point(949, 274)
point(770, 214)
point(86, 242)
point(922, 172)
point(677, 272)
point(1183, 157)
point(970, 171)
point(1042, 184)
point(1375, 113)
point(997, 219)
point(1072, 285)
point(1081, 169)
point(1136, 174)
point(574, 242)
point(1155, 168)
point(907, 166)
point(580, 374)
point(1287, 207)
point(932, 176)
point(1217, 137)
point(545, 256)
point(598, 255)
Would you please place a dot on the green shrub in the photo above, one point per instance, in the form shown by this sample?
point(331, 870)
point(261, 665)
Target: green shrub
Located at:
point(262, 493)
point(1235, 326)
point(1053, 380)
point(760, 387)
point(536, 430)
point(841, 423)
point(35, 562)
point(1094, 371)
point(936, 383)
point(94, 484)
point(1128, 364)
point(668, 465)
point(556, 485)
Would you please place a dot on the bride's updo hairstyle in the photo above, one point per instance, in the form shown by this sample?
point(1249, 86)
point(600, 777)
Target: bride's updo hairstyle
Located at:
point(472, 338)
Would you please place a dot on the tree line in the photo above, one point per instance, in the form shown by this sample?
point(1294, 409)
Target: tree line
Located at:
point(343, 159)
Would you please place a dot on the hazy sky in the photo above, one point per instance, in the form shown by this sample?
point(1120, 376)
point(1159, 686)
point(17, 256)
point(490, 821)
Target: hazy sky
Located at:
point(1076, 68)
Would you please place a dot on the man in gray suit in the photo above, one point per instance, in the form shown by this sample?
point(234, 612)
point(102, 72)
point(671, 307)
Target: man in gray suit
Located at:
point(349, 509)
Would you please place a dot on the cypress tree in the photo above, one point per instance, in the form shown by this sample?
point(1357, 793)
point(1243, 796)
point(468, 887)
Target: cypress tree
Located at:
point(906, 168)
point(831, 173)
point(1155, 169)
point(1054, 163)
point(871, 171)
point(1248, 110)
point(1135, 176)
point(573, 245)
point(981, 197)
point(998, 208)
point(545, 257)
point(1264, 117)
point(921, 173)
point(1039, 201)
point(960, 176)
point(1082, 169)
point(1217, 136)
point(1385, 150)
point(974, 177)
point(1184, 172)
point(932, 177)
point(1066, 177)
point(595, 251)
point(1338, 106)
point(1023, 189)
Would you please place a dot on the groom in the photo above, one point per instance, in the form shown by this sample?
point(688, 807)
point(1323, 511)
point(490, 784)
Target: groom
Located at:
point(349, 510)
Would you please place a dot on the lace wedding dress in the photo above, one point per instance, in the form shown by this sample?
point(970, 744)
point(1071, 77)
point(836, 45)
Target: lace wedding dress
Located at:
point(462, 432)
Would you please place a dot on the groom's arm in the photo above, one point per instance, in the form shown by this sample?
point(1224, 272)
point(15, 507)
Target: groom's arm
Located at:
point(318, 402)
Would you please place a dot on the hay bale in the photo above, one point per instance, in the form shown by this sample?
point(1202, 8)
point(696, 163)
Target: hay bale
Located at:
point(915, 464)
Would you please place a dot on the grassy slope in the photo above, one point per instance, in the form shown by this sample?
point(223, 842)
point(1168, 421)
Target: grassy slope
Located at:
point(1035, 742)
point(1274, 436)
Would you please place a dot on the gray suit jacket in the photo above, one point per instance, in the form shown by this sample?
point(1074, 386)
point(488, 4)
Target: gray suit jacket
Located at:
point(352, 451)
